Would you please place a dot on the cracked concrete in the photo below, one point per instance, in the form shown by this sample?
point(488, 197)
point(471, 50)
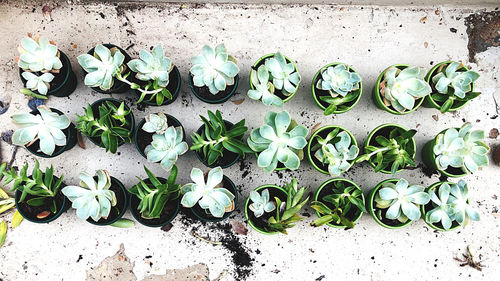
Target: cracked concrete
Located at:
point(368, 37)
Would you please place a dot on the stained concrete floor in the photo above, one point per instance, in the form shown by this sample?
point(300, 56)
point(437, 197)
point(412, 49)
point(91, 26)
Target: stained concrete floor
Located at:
point(368, 37)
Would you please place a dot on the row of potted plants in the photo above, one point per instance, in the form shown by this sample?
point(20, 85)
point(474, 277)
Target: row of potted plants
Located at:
point(279, 144)
point(214, 77)
point(154, 201)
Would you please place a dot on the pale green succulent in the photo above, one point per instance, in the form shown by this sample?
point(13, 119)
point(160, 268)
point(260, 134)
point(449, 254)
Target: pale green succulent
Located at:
point(451, 205)
point(403, 87)
point(92, 199)
point(46, 127)
point(336, 151)
point(453, 79)
point(156, 123)
point(102, 67)
point(338, 80)
point(166, 148)
point(152, 66)
point(38, 54)
point(214, 69)
point(264, 90)
point(260, 203)
point(38, 83)
point(284, 75)
point(213, 199)
point(461, 149)
point(401, 200)
point(279, 140)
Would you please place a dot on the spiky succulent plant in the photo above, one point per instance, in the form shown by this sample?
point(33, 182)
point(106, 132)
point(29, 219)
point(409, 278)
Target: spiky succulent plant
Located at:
point(450, 205)
point(210, 195)
point(336, 151)
point(283, 74)
point(400, 88)
point(38, 83)
point(156, 123)
point(92, 199)
point(279, 140)
point(453, 83)
point(461, 148)
point(46, 127)
point(6, 202)
point(102, 67)
point(264, 89)
point(214, 69)
point(401, 200)
point(260, 203)
point(167, 147)
point(153, 195)
point(39, 54)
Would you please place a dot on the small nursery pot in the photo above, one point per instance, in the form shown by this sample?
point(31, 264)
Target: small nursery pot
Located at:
point(316, 93)
point(204, 94)
point(429, 159)
point(279, 93)
point(118, 86)
point(228, 159)
point(121, 207)
point(170, 210)
point(384, 131)
point(64, 82)
point(429, 102)
point(142, 138)
point(323, 132)
point(426, 208)
point(71, 139)
point(322, 191)
point(30, 212)
point(259, 224)
point(203, 216)
point(377, 97)
point(174, 86)
point(130, 119)
point(391, 224)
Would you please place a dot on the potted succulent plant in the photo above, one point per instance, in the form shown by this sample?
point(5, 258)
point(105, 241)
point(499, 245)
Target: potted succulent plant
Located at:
point(400, 89)
point(395, 203)
point(160, 138)
point(159, 79)
point(279, 140)
point(45, 132)
point(108, 123)
point(389, 148)
point(271, 217)
point(332, 150)
point(211, 198)
point(336, 88)
point(449, 206)
point(218, 142)
point(154, 201)
point(38, 196)
point(339, 203)
point(44, 70)
point(452, 86)
point(274, 79)
point(101, 200)
point(455, 152)
point(214, 75)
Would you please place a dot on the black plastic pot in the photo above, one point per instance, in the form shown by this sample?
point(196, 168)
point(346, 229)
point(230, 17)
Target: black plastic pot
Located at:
point(71, 139)
point(121, 206)
point(174, 86)
point(204, 94)
point(168, 214)
point(142, 138)
point(64, 82)
point(118, 86)
point(200, 213)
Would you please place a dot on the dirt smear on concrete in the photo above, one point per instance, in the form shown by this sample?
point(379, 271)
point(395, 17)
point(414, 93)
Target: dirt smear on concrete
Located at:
point(483, 29)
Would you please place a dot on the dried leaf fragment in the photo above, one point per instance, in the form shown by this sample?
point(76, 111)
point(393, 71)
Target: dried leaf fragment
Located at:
point(81, 142)
point(435, 117)
point(423, 19)
point(239, 228)
point(494, 133)
point(43, 215)
point(16, 219)
point(47, 13)
point(238, 102)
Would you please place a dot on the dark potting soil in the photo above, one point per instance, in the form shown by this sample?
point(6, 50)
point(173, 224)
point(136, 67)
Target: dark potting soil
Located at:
point(32, 211)
point(204, 92)
point(202, 213)
point(277, 92)
point(167, 213)
point(327, 190)
point(227, 156)
point(144, 138)
point(120, 203)
point(261, 222)
point(95, 111)
point(174, 80)
point(59, 78)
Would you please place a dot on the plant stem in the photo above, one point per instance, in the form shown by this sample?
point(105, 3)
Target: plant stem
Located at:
point(120, 77)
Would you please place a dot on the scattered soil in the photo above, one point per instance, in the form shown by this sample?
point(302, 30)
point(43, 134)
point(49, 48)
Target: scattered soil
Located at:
point(483, 29)
point(204, 92)
point(117, 210)
point(174, 79)
point(144, 138)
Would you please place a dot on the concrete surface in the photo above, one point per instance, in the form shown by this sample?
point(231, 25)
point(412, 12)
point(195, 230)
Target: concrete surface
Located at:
point(369, 38)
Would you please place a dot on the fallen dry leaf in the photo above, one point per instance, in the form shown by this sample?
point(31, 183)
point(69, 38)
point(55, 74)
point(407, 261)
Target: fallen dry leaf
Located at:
point(418, 125)
point(435, 117)
point(43, 215)
point(315, 128)
point(494, 133)
point(426, 44)
point(238, 102)
point(74, 46)
point(496, 215)
point(239, 228)
point(81, 142)
point(469, 260)
point(47, 12)
point(422, 20)
point(437, 12)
